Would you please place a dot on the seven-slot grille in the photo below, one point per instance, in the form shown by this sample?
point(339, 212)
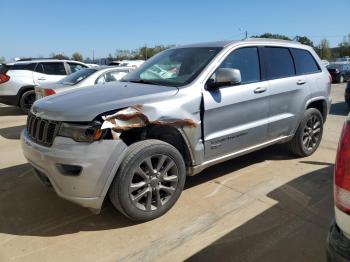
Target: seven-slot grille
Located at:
point(42, 131)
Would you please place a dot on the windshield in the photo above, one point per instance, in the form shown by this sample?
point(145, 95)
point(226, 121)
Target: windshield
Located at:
point(78, 76)
point(173, 67)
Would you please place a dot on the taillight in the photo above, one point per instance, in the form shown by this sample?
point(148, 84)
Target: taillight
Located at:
point(342, 172)
point(330, 78)
point(49, 92)
point(4, 78)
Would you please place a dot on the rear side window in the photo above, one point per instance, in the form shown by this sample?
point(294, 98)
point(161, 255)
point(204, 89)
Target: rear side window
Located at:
point(247, 61)
point(29, 66)
point(278, 63)
point(51, 68)
point(304, 62)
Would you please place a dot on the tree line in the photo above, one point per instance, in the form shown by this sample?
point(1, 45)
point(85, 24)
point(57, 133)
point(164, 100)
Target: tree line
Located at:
point(323, 49)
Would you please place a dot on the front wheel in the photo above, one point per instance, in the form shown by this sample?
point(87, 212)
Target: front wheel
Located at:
point(308, 135)
point(149, 180)
point(27, 100)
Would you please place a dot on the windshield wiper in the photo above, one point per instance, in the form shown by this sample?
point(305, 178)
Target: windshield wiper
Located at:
point(142, 81)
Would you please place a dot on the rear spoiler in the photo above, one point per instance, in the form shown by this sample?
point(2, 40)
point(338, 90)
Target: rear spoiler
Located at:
point(3, 69)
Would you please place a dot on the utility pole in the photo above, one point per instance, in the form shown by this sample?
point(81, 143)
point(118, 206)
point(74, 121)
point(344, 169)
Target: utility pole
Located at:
point(246, 34)
point(93, 56)
point(146, 51)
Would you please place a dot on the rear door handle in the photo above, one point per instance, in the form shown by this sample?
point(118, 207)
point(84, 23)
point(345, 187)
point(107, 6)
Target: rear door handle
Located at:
point(301, 82)
point(260, 90)
point(41, 78)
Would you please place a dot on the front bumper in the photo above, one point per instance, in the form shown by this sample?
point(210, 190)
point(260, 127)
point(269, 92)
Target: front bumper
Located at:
point(338, 245)
point(99, 161)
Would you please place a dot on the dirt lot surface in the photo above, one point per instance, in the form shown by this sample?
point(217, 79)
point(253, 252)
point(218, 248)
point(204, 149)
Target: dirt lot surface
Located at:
point(266, 206)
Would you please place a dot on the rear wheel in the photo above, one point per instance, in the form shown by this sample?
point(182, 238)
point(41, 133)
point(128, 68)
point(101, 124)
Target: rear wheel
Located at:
point(149, 180)
point(27, 100)
point(309, 134)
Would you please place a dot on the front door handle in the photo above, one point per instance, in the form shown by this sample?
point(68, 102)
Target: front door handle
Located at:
point(260, 90)
point(301, 82)
point(41, 78)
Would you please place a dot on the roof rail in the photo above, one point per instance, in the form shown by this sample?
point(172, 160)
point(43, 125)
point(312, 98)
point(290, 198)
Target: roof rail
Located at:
point(33, 59)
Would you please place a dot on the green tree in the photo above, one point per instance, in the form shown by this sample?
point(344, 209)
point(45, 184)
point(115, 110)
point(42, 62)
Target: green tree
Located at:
point(59, 56)
point(77, 57)
point(324, 50)
point(2, 59)
point(304, 40)
point(274, 36)
point(344, 47)
point(146, 52)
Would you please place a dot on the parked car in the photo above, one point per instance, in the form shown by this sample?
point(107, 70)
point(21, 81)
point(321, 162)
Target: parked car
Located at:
point(347, 94)
point(83, 78)
point(343, 59)
point(128, 63)
point(338, 244)
point(137, 141)
point(17, 82)
point(340, 72)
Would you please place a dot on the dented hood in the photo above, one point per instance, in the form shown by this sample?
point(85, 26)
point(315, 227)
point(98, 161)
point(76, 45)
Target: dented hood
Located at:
point(86, 103)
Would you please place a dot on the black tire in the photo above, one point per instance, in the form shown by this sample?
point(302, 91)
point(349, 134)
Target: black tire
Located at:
point(27, 100)
point(297, 145)
point(129, 177)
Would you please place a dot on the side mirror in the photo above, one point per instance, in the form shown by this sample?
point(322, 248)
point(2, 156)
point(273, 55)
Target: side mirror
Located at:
point(225, 76)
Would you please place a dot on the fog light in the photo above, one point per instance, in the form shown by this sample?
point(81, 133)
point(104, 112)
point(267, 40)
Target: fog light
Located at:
point(69, 170)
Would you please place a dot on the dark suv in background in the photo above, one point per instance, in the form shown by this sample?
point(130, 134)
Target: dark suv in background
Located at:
point(340, 72)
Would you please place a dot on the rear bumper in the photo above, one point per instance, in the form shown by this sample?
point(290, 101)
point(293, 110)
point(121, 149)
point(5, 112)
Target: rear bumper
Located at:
point(9, 100)
point(99, 162)
point(338, 245)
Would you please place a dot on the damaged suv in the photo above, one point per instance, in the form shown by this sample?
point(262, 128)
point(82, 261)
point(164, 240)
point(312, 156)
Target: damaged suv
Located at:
point(183, 110)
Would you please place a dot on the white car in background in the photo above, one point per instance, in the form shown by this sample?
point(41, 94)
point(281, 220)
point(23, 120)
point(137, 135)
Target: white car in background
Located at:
point(18, 80)
point(129, 63)
point(83, 78)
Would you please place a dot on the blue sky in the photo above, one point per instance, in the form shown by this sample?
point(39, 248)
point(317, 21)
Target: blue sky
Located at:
point(38, 28)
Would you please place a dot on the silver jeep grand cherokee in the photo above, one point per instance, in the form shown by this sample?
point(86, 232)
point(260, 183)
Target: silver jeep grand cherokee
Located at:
point(183, 110)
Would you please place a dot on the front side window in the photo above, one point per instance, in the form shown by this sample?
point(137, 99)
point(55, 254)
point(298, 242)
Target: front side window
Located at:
point(51, 68)
point(278, 63)
point(247, 61)
point(304, 62)
point(173, 67)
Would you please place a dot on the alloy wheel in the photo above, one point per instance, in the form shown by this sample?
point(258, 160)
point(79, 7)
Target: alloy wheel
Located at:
point(153, 182)
point(312, 133)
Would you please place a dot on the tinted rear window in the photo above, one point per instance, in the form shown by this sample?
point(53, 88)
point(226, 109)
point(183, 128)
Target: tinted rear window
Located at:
point(278, 63)
point(29, 66)
point(304, 62)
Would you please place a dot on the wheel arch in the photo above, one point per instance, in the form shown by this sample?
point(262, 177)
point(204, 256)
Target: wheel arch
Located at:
point(320, 104)
point(21, 91)
point(166, 133)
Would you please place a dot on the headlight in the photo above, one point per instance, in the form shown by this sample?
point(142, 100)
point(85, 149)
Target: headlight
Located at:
point(81, 133)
